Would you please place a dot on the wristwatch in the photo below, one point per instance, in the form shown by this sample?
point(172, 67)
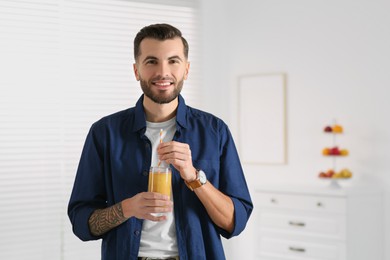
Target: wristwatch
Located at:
point(200, 180)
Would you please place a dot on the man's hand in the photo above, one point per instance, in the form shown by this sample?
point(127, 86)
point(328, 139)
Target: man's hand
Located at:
point(144, 204)
point(179, 155)
point(140, 206)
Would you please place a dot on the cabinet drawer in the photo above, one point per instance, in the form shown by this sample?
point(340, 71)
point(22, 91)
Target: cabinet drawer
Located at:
point(321, 226)
point(301, 202)
point(285, 249)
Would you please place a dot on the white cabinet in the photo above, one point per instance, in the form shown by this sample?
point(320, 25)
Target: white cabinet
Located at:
point(321, 223)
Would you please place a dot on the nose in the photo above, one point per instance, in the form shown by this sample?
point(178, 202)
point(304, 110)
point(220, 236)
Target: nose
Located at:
point(163, 69)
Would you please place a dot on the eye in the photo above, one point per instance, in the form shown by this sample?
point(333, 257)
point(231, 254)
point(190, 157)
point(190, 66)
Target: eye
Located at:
point(173, 61)
point(151, 62)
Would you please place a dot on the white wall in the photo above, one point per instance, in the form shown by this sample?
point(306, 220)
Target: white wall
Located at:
point(336, 55)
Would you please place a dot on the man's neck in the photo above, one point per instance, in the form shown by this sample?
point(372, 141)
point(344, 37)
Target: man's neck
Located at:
point(159, 112)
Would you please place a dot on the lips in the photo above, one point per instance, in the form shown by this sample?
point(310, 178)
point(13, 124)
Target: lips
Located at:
point(162, 84)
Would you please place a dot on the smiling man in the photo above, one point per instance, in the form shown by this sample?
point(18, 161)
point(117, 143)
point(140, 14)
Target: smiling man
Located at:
point(161, 68)
point(209, 198)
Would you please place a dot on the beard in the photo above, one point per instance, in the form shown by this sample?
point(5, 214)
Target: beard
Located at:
point(161, 97)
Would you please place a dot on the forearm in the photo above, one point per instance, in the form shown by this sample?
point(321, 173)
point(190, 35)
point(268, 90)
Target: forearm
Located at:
point(103, 220)
point(219, 206)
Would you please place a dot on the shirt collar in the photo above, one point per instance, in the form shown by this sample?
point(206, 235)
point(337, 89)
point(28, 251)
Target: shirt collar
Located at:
point(140, 119)
point(181, 114)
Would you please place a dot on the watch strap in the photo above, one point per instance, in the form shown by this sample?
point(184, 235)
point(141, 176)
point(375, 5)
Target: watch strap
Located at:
point(192, 185)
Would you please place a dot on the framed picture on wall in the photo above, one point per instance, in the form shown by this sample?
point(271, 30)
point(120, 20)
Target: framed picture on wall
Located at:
point(262, 118)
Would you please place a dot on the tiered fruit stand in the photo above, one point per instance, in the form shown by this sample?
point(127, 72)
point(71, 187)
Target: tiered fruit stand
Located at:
point(333, 174)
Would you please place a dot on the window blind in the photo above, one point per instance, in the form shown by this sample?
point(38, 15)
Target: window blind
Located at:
point(64, 65)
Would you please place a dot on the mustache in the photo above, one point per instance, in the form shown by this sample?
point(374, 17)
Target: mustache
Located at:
point(162, 78)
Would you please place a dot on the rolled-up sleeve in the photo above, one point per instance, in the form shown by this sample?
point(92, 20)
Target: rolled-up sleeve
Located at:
point(233, 183)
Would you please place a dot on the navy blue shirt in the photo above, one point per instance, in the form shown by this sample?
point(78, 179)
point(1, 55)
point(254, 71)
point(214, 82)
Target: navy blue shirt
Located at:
point(114, 165)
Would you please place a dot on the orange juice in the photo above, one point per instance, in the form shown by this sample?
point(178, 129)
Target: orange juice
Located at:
point(160, 180)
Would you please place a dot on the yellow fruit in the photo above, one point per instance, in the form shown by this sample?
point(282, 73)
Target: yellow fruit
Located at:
point(337, 175)
point(344, 152)
point(337, 129)
point(325, 151)
point(345, 173)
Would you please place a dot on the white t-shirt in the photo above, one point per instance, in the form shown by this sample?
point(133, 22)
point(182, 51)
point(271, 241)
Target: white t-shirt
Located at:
point(158, 239)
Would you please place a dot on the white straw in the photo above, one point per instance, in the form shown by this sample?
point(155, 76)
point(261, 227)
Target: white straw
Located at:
point(161, 140)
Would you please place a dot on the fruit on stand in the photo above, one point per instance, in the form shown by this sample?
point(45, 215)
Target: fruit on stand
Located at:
point(334, 129)
point(328, 174)
point(335, 151)
point(343, 174)
point(337, 129)
point(328, 129)
point(326, 151)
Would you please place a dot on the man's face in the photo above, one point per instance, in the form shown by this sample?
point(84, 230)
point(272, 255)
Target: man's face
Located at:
point(161, 69)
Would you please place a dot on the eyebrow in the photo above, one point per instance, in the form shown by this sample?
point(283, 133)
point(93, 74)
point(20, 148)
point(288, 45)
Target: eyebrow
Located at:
point(169, 58)
point(149, 58)
point(175, 57)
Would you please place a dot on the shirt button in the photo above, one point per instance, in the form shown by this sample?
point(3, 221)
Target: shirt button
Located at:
point(136, 233)
point(145, 173)
point(147, 146)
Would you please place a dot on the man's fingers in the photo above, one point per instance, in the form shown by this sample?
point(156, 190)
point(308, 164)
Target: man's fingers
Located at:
point(173, 146)
point(154, 199)
point(151, 203)
point(154, 196)
point(155, 217)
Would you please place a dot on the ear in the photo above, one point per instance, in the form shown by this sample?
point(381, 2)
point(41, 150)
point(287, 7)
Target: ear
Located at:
point(136, 73)
point(187, 70)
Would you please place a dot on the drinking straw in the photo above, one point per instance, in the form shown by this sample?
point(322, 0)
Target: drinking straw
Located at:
point(161, 131)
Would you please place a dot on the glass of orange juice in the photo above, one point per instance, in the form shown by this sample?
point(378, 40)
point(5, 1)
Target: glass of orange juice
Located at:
point(160, 179)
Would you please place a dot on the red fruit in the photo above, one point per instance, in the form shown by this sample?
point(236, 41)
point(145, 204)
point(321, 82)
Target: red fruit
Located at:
point(334, 151)
point(328, 129)
point(329, 173)
point(322, 175)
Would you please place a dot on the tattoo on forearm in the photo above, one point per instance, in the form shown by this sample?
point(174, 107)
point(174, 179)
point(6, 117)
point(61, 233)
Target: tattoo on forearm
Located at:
point(103, 220)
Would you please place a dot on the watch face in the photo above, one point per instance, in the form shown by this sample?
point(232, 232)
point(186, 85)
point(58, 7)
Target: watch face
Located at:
point(202, 177)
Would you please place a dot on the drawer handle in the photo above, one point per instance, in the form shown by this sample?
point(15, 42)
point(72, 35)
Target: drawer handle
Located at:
point(275, 201)
point(297, 249)
point(297, 224)
point(319, 204)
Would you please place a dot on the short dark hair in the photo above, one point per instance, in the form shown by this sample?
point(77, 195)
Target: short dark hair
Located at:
point(159, 32)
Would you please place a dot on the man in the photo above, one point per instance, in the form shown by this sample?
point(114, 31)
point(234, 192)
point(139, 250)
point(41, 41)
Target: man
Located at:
point(210, 194)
